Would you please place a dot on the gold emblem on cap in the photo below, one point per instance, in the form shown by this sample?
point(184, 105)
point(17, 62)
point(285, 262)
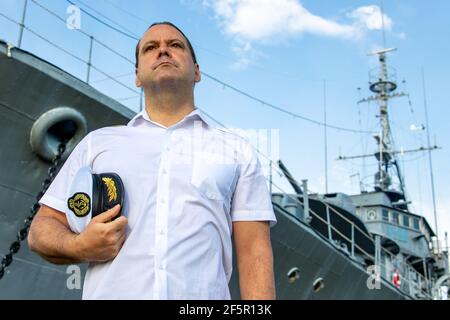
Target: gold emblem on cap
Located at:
point(111, 186)
point(79, 203)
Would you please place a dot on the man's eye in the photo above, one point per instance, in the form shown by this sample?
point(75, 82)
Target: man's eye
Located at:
point(149, 48)
point(177, 45)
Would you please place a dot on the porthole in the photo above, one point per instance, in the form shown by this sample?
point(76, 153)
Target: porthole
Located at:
point(318, 285)
point(293, 275)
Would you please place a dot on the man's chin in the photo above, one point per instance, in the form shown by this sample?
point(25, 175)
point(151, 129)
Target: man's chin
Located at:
point(166, 81)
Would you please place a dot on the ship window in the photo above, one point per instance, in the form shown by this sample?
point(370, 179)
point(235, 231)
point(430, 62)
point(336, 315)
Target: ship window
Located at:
point(385, 215)
point(416, 224)
point(406, 220)
point(395, 217)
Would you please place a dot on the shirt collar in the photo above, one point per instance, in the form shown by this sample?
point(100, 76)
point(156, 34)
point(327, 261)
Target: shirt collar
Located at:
point(142, 117)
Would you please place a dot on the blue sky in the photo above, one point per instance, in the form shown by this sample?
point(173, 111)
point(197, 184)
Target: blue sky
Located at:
point(281, 52)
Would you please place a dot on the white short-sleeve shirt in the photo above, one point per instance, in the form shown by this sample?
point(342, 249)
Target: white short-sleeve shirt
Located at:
point(184, 186)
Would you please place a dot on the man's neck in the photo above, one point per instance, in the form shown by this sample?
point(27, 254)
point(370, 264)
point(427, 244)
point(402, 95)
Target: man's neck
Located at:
point(167, 110)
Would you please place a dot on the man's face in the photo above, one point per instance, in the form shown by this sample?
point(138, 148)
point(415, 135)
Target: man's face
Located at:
point(164, 58)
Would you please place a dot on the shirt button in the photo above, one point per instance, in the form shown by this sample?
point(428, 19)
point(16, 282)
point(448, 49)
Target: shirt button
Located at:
point(162, 200)
point(161, 232)
point(164, 171)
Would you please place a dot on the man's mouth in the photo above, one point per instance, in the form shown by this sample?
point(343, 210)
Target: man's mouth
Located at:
point(162, 63)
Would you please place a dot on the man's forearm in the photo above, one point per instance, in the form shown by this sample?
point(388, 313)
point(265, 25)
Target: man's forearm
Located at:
point(256, 278)
point(53, 241)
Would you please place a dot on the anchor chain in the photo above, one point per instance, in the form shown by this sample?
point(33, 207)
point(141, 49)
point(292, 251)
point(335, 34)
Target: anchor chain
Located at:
point(22, 234)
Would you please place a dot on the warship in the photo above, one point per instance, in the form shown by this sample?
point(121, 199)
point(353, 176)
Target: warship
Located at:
point(326, 246)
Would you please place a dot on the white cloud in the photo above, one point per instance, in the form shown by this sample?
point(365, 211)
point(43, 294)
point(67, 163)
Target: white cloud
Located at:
point(245, 52)
point(266, 21)
point(371, 18)
point(241, 64)
point(259, 20)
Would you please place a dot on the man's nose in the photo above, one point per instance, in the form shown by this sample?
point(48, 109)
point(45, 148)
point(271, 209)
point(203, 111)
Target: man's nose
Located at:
point(163, 51)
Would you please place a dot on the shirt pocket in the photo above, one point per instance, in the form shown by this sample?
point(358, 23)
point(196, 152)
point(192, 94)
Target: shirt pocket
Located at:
point(212, 178)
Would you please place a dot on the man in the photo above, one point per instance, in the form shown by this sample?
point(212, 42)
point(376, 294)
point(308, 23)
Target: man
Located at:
point(188, 188)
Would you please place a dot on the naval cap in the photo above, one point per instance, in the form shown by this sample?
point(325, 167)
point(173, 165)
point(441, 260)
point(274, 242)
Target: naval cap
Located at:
point(90, 195)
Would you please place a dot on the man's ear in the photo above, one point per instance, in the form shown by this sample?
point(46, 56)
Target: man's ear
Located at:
point(198, 75)
point(137, 81)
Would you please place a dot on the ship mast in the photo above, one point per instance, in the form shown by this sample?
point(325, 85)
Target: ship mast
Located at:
point(383, 85)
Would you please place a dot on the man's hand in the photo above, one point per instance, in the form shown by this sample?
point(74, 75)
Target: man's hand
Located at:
point(103, 237)
point(50, 236)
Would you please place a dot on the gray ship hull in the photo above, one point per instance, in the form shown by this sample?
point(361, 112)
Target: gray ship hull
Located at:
point(28, 88)
point(297, 245)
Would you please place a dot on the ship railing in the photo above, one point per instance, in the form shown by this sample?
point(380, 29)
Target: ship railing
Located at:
point(413, 288)
point(411, 281)
point(406, 283)
point(405, 270)
point(90, 66)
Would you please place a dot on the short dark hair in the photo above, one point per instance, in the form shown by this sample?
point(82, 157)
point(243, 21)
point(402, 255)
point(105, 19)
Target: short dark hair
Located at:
point(191, 49)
